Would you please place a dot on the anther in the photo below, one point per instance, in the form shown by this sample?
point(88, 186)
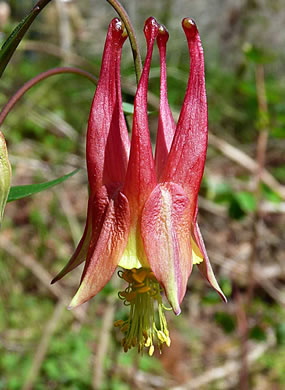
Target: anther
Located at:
point(138, 285)
point(148, 342)
point(118, 323)
point(125, 328)
point(143, 289)
point(151, 350)
point(168, 341)
point(140, 275)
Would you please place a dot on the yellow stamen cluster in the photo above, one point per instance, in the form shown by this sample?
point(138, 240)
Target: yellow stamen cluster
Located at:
point(146, 324)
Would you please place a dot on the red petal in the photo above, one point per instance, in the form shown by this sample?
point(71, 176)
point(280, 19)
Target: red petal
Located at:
point(104, 258)
point(165, 228)
point(166, 124)
point(205, 267)
point(185, 163)
point(107, 145)
point(141, 178)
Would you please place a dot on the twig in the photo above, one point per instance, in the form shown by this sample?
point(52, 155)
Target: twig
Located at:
point(51, 120)
point(264, 276)
point(243, 305)
point(106, 327)
point(43, 346)
point(40, 273)
point(229, 369)
point(68, 210)
point(242, 326)
point(260, 160)
point(64, 30)
point(246, 162)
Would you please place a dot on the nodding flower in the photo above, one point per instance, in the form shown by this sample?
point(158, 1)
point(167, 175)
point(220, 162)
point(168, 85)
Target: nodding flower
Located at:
point(142, 210)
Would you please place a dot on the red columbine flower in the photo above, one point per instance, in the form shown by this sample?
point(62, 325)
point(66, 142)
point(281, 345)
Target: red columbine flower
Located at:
point(142, 212)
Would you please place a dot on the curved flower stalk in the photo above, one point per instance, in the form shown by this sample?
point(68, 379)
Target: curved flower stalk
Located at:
point(142, 211)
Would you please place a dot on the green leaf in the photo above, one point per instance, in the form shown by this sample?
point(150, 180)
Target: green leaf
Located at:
point(19, 192)
point(270, 195)
point(211, 298)
point(128, 108)
point(257, 333)
point(246, 201)
point(226, 321)
point(280, 334)
point(235, 211)
point(278, 132)
point(17, 35)
point(257, 55)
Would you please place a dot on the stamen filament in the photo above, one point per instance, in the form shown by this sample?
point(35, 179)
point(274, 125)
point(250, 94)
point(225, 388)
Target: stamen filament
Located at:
point(143, 295)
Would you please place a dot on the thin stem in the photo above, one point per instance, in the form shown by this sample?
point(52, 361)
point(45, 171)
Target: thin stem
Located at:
point(42, 76)
point(43, 346)
point(103, 343)
point(260, 160)
point(42, 3)
point(242, 324)
point(132, 36)
point(244, 304)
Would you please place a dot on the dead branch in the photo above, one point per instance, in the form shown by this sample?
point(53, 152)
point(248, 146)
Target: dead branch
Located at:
point(230, 368)
point(40, 273)
point(103, 344)
point(43, 346)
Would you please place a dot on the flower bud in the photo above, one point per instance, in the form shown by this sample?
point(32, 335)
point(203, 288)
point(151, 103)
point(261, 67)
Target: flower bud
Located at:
point(5, 175)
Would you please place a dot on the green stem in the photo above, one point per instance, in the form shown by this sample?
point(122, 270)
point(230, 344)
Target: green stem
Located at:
point(42, 76)
point(132, 36)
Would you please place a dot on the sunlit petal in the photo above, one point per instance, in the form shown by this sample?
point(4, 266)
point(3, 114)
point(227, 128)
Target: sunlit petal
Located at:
point(102, 262)
point(185, 163)
point(166, 124)
point(107, 146)
point(166, 222)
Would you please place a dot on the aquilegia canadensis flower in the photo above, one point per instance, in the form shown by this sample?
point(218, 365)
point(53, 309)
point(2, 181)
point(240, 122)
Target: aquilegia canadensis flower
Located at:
point(142, 211)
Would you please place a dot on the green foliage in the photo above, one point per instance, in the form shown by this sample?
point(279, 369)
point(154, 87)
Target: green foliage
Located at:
point(211, 298)
point(257, 55)
point(239, 203)
point(246, 201)
point(226, 321)
point(270, 195)
point(17, 35)
point(280, 333)
point(257, 333)
point(66, 363)
point(19, 192)
point(273, 362)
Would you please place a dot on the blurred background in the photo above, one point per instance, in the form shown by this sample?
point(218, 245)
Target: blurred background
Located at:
point(239, 345)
